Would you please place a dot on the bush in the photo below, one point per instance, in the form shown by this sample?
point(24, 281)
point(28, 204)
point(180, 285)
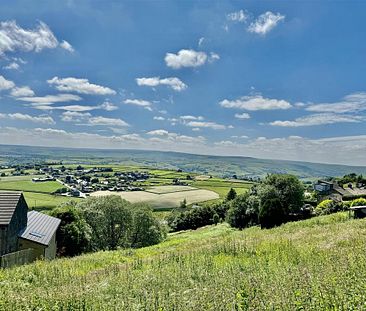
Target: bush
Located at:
point(359, 202)
point(231, 195)
point(271, 213)
point(243, 211)
point(74, 234)
point(197, 217)
point(147, 230)
point(328, 207)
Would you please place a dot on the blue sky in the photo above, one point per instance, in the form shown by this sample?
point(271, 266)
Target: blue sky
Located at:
point(270, 79)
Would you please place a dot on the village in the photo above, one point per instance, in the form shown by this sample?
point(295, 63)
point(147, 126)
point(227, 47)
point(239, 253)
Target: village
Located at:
point(80, 181)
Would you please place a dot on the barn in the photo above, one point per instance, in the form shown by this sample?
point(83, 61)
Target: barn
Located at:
point(23, 232)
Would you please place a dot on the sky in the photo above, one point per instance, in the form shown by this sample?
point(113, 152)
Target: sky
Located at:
point(267, 79)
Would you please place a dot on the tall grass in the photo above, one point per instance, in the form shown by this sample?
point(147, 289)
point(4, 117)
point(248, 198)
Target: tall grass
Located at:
point(317, 264)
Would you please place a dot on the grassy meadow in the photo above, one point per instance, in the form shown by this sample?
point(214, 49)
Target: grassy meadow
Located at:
point(316, 264)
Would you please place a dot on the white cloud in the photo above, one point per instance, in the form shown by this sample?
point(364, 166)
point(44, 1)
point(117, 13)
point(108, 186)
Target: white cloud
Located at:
point(74, 116)
point(226, 143)
point(201, 41)
point(173, 82)
point(256, 102)
point(188, 117)
point(242, 116)
point(319, 119)
point(50, 99)
point(97, 121)
point(5, 84)
point(159, 118)
point(355, 102)
point(27, 117)
point(14, 38)
point(265, 23)
point(107, 106)
point(12, 66)
point(188, 58)
point(213, 57)
point(67, 46)
point(239, 16)
point(212, 125)
point(139, 102)
point(158, 133)
point(81, 86)
point(23, 91)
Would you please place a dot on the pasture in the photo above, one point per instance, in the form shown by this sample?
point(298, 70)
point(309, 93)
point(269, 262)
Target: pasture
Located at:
point(25, 183)
point(316, 264)
point(166, 198)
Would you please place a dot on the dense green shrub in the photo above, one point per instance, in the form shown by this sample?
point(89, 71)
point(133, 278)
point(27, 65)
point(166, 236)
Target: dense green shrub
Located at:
point(146, 229)
point(243, 211)
point(74, 234)
point(271, 213)
point(359, 202)
point(231, 195)
point(198, 216)
point(328, 207)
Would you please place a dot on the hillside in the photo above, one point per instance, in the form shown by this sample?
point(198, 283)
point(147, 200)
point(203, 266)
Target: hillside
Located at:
point(315, 264)
point(215, 165)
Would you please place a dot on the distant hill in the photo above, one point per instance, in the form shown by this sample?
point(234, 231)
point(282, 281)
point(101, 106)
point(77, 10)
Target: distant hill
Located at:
point(205, 164)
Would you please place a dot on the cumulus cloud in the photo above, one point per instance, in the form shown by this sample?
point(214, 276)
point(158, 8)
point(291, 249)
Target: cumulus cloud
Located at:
point(212, 125)
point(158, 133)
point(159, 118)
point(173, 82)
point(15, 38)
point(97, 121)
point(239, 16)
point(319, 119)
point(27, 117)
point(242, 116)
point(265, 23)
point(189, 58)
point(12, 66)
point(23, 91)
point(139, 102)
point(5, 84)
point(81, 86)
point(107, 106)
point(255, 102)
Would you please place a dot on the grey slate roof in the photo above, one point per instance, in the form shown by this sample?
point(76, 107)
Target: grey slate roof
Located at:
point(40, 228)
point(8, 203)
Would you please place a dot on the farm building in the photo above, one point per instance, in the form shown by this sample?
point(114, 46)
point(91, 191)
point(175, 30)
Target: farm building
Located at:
point(323, 186)
point(40, 235)
point(21, 230)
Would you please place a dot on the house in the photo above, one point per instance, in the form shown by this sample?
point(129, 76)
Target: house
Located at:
point(22, 230)
point(40, 235)
point(13, 218)
point(323, 186)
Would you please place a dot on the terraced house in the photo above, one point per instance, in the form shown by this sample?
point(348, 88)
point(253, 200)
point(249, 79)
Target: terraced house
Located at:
point(24, 236)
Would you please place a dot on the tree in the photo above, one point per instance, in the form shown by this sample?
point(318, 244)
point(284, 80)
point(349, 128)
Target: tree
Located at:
point(243, 211)
point(289, 189)
point(183, 204)
point(73, 234)
point(110, 219)
point(231, 195)
point(147, 230)
point(271, 213)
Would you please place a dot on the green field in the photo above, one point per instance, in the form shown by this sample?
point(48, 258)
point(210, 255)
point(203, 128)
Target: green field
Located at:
point(24, 183)
point(42, 201)
point(317, 264)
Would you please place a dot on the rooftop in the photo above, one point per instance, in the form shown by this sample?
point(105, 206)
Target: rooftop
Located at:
point(40, 228)
point(8, 203)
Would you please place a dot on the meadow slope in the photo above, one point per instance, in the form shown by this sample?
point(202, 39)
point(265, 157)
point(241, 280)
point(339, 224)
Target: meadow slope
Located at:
point(317, 264)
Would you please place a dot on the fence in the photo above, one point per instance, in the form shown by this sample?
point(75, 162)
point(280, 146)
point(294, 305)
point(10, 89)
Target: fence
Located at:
point(17, 258)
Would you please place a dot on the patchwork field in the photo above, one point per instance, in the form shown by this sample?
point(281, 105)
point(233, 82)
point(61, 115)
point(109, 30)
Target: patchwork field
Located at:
point(164, 200)
point(169, 189)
